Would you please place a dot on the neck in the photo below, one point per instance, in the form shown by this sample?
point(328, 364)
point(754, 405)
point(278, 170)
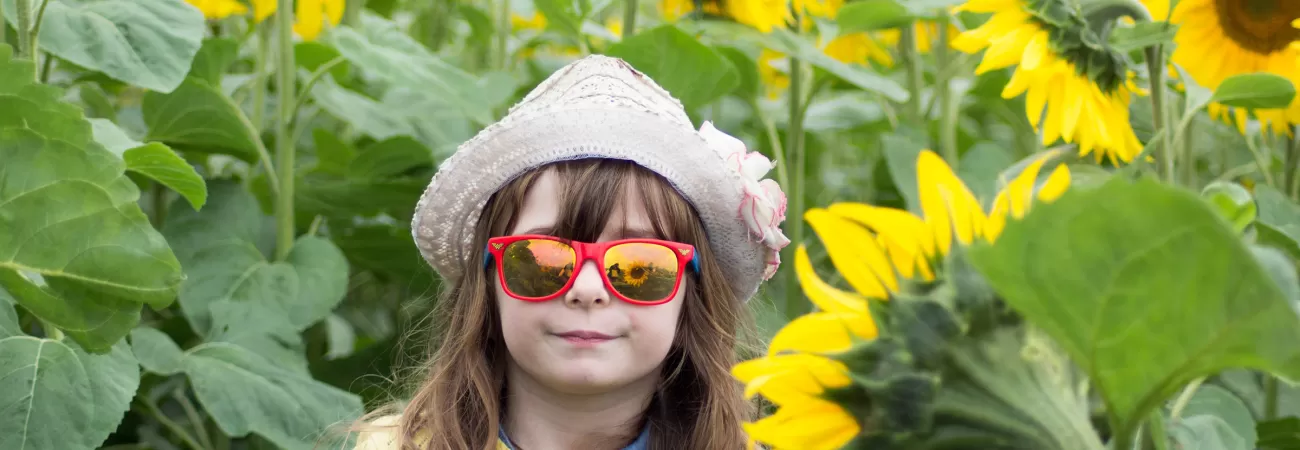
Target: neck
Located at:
point(539, 418)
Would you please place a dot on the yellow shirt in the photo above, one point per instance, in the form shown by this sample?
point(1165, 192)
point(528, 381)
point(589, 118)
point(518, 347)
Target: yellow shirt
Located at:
point(386, 438)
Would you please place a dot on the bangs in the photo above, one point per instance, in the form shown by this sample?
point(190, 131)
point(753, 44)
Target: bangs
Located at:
point(593, 189)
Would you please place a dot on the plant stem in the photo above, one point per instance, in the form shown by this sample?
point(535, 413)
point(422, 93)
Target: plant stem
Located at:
point(1176, 411)
point(629, 18)
point(912, 62)
point(1155, 69)
point(259, 78)
point(24, 11)
point(320, 72)
point(794, 145)
point(47, 66)
point(51, 331)
point(949, 102)
point(1263, 163)
point(778, 152)
point(171, 425)
point(36, 28)
point(1156, 429)
point(1270, 397)
point(3, 24)
point(1293, 164)
point(284, 144)
point(159, 198)
point(192, 414)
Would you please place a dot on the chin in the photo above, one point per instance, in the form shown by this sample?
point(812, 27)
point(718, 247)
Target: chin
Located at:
point(587, 380)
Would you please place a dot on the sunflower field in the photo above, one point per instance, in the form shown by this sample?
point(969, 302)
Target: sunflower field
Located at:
point(1017, 224)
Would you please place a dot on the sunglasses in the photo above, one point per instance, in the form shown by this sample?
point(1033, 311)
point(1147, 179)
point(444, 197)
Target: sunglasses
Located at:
point(538, 268)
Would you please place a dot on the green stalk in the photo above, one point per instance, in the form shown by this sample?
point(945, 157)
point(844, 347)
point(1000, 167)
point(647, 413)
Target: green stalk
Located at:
point(36, 28)
point(1293, 164)
point(259, 78)
point(1155, 67)
point(1184, 398)
point(1156, 428)
point(629, 18)
point(1270, 397)
point(912, 63)
point(1262, 161)
point(794, 144)
point(3, 24)
point(24, 11)
point(284, 143)
point(948, 102)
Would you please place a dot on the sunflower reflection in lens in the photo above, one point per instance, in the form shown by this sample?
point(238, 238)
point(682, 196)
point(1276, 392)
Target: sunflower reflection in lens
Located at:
point(641, 271)
point(537, 267)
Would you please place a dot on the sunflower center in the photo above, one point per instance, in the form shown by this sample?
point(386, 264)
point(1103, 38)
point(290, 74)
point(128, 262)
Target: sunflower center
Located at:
point(1263, 26)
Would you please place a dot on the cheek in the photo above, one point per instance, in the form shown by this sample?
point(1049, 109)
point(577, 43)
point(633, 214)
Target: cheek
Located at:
point(656, 327)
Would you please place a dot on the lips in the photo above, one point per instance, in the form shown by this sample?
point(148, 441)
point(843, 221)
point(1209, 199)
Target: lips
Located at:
point(585, 335)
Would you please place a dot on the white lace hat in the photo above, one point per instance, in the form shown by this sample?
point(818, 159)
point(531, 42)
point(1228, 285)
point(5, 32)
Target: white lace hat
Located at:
point(600, 107)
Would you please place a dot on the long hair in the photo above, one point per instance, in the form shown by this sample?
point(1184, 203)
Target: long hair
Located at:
point(698, 405)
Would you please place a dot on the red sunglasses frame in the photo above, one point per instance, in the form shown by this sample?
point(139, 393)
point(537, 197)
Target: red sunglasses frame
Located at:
point(584, 251)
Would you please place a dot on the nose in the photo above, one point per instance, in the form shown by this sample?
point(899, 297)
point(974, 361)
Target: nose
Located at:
point(588, 289)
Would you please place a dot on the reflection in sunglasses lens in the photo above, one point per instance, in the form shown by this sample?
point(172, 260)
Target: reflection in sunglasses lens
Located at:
point(641, 271)
point(537, 267)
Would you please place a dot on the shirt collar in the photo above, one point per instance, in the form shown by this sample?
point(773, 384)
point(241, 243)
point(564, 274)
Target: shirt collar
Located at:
point(642, 441)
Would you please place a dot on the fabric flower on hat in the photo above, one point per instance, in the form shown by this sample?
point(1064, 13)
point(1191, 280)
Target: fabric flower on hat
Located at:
point(763, 206)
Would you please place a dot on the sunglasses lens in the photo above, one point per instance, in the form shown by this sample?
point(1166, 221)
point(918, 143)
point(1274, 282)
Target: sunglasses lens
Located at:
point(641, 271)
point(537, 267)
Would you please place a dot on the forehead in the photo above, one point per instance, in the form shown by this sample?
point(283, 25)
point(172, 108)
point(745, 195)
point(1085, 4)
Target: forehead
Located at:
point(546, 204)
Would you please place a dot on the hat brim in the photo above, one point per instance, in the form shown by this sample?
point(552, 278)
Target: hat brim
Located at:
point(446, 216)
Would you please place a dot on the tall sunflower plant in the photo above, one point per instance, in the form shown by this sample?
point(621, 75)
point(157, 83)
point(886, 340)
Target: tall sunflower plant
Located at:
point(1149, 301)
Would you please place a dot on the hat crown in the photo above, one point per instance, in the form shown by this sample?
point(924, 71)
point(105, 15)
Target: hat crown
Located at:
point(599, 81)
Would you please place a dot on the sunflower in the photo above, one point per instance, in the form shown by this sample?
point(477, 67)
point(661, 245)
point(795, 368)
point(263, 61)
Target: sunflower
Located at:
point(637, 273)
point(1082, 85)
point(1218, 39)
point(876, 249)
point(763, 15)
point(535, 22)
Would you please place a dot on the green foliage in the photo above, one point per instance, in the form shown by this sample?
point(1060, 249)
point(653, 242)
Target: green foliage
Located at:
point(868, 15)
point(148, 43)
point(662, 54)
point(198, 117)
point(1140, 335)
point(1255, 90)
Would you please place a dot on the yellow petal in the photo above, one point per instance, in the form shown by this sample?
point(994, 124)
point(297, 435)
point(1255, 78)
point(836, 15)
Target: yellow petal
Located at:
point(825, 296)
point(823, 333)
point(949, 207)
point(854, 253)
point(789, 378)
point(905, 236)
point(308, 17)
point(263, 9)
point(814, 424)
point(334, 11)
point(1020, 190)
point(1055, 185)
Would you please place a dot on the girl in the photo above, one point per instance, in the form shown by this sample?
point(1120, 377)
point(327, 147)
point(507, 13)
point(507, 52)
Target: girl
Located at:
point(599, 251)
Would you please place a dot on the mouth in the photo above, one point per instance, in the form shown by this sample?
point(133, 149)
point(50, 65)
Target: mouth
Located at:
point(585, 336)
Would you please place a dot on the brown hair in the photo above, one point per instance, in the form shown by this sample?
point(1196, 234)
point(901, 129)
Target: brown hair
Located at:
point(698, 405)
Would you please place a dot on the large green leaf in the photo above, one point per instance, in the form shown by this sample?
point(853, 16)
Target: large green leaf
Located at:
point(1207, 432)
point(199, 117)
point(381, 49)
point(8, 317)
point(387, 177)
point(153, 160)
point(148, 43)
point(693, 72)
point(870, 15)
point(1211, 400)
point(1279, 434)
point(1146, 288)
point(76, 250)
point(232, 293)
point(57, 397)
point(1255, 90)
point(365, 114)
point(246, 393)
point(213, 59)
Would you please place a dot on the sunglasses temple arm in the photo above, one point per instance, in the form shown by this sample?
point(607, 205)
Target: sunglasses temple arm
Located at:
point(695, 263)
point(487, 260)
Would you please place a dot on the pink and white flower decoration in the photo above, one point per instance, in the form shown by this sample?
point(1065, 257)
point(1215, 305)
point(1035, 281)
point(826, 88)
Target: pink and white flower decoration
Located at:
point(763, 206)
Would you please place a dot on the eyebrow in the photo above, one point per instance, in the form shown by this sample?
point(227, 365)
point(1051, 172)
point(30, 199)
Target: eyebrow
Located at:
point(629, 233)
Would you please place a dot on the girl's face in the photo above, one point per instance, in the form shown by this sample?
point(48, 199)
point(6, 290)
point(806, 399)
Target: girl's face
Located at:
point(540, 335)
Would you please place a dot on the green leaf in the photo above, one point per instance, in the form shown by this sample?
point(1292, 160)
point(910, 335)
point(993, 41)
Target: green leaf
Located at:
point(871, 15)
point(232, 290)
point(342, 338)
point(246, 393)
point(383, 50)
point(692, 72)
point(1142, 35)
point(213, 59)
point(231, 214)
point(1211, 400)
point(980, 167)
point(311, 55)
point(792, 44)
point(77, 251)
point(8, 317)
point(749, 85)
point(156, 351)
point(901, 153)
point(1207, 432)
point(390, 158)
point(1278, 220)
point(163, 165)
point(364, 114)
point(199, 117)
point(56, 397)
point(1231, 201)
point(564, 15)
point(385, 249)
point(1079, 268)
point(153, 160)
point(1279, 434)
point(332, 155)
point(148, 43)
point(1255, 90)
